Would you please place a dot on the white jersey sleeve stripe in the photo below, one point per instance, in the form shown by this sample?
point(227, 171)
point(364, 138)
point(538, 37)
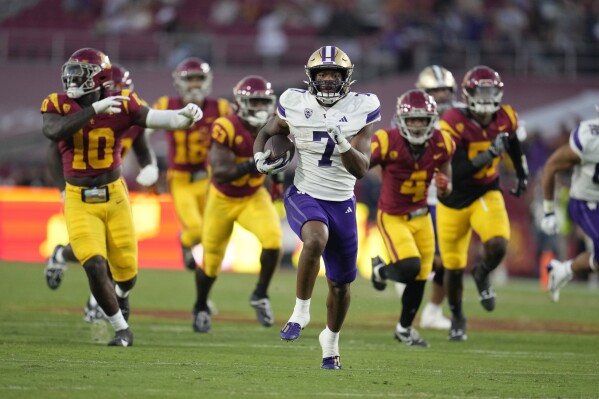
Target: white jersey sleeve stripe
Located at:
point(281, 111)
point(371, 117)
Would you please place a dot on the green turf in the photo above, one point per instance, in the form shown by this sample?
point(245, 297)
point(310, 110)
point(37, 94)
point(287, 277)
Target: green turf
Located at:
point(527, 348)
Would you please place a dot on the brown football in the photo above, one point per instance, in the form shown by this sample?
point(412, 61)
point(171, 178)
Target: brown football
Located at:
point(281, 147)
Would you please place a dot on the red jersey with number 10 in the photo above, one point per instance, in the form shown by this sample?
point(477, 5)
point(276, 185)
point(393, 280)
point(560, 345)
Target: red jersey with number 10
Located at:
point(96, 148)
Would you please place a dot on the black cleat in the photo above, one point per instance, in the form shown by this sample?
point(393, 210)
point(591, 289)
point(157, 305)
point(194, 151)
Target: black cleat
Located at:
point(483, 285)
point(411, 337)
point(122, 338)
point(201, 321)
point(54, 270)
point(457, 333)
point(263, 310)
point(377, 282)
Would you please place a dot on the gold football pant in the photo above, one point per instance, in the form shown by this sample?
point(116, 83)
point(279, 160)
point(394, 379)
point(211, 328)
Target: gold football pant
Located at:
point(414, 238)
point(189, 198)
point(255, 213)
point(104, 229)
point(487, 216)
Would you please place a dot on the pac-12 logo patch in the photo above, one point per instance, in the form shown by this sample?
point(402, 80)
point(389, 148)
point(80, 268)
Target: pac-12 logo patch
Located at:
point(308, 113)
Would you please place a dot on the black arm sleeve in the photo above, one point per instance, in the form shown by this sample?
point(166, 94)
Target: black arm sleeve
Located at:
point(464, 168)
point(514, 150)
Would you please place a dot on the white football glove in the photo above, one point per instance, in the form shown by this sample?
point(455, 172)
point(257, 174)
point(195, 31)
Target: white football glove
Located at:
point(342, 144)
point(109, 105)
point(192, 112)
point(264, 166)
point(148, 175)
point(549, 224)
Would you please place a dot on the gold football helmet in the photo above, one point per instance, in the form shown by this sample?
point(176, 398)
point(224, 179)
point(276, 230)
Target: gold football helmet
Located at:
point(434, 79)
point(327, 58)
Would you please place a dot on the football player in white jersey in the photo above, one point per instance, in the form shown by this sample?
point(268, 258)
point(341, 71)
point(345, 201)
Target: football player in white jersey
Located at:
point(332, 128)
point(582, 155)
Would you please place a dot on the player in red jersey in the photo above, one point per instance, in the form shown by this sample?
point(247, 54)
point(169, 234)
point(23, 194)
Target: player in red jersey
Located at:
point(88, 122)
point(411, 156)
point(482, 131)
point(133, 138)
point(188, 150)
point(237, 194)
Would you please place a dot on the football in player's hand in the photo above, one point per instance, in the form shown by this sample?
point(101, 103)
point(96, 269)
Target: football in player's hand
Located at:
point(281, 147)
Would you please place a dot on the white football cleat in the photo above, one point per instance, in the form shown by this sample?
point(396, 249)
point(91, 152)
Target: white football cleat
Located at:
point(559, 274)
point(432, 317)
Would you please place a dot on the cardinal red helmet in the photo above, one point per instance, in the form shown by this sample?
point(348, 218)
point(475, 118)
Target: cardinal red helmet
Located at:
point(86, 71)
point(121, 78)
point(193, 80)
point(482, 89)
point(255, 99)
point(416, 104)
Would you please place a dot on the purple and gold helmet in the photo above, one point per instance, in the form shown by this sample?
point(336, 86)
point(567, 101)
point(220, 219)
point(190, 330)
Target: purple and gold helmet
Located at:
point(327, 58)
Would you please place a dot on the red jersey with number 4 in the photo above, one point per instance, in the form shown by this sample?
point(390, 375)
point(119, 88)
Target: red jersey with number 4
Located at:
point(407, 175)
point(96, 148)
point(230, 132)
point(188, 148)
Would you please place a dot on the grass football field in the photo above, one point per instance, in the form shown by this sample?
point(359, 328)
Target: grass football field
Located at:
point(527, 348)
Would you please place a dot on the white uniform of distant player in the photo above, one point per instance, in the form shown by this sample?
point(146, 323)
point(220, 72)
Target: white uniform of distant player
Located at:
point(308, 121)
point(585, 143)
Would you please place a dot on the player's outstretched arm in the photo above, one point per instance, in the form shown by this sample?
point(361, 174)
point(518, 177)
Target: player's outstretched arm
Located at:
point(170, 119)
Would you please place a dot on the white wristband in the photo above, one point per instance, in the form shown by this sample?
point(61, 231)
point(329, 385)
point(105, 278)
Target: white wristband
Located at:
point(548, 206)
point(344, 146)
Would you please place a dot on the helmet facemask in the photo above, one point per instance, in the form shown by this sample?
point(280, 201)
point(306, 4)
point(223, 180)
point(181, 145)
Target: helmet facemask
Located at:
point(256, 109)
point(483, 99)
point(78, 78)
point(193, 86)
point(328, 91)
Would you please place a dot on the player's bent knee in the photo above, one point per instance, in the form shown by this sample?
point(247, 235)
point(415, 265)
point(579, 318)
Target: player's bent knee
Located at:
point(405, 270)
